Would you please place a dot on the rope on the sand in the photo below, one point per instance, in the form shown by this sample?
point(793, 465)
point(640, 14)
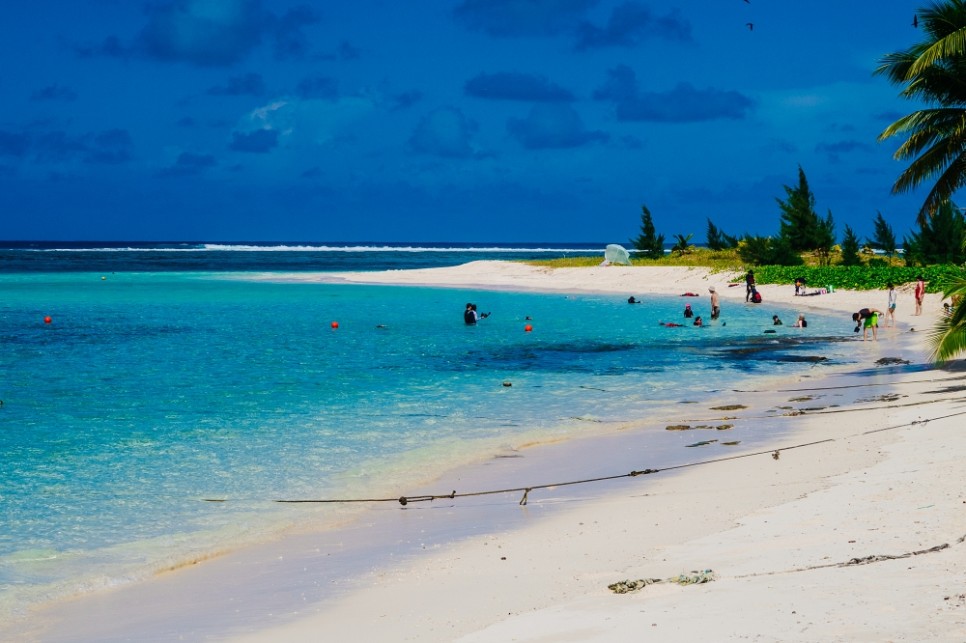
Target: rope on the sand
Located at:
point(853, 562)
point(774, 453)
point(692, 578)
point(405, 500)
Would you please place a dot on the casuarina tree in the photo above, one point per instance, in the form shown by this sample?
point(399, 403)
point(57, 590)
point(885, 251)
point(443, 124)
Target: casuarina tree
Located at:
point(801, 227)
point(884, 238)
point(649, 243)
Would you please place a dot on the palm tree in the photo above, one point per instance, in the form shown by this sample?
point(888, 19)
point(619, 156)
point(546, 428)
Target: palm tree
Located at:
point(948, 338)
point(683, 244)
point(933, 71)
point(951, 44)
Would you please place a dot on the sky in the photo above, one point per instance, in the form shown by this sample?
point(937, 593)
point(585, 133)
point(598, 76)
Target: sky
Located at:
point(444, 120)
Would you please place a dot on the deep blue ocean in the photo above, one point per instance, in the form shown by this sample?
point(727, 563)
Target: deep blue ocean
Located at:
point(165, 378)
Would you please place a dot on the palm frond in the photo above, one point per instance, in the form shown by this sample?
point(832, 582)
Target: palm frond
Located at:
point(948, 338)
point(953, 44)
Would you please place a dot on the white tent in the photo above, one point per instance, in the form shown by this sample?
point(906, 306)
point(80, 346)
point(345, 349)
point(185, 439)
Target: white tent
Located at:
point(615, 254)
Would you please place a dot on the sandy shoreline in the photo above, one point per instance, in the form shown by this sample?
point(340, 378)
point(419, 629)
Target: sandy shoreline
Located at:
point(884, 477)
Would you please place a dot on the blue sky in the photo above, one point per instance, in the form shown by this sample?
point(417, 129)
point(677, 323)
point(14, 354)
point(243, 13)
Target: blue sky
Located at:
point(443, 120)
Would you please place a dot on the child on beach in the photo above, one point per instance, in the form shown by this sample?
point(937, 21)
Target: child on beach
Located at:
point(868, 318)
point(891, 310)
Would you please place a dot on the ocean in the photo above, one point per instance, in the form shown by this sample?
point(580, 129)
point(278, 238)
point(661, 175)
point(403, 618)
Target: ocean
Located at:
point(141, 382)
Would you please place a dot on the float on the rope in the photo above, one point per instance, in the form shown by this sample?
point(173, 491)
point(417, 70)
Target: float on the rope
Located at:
point(527, 328)
point(335, 324)
point(47, 319)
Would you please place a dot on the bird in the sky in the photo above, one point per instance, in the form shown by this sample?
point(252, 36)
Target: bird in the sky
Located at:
point(915, 21)
point(750, 25)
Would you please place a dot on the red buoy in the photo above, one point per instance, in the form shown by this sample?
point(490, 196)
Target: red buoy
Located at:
point(335, 324)
point(47, 319)
point(528, 328)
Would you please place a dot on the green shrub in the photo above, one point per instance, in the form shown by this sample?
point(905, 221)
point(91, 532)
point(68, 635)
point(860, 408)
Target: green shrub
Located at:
point(871, 277)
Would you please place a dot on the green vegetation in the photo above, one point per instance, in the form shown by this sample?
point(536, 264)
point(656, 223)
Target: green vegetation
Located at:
point(941, 238)
point(648, 243)
point(884, 238)
point(718, 239)
point(863, 277)
point(948, 339)
point(931, 73)
point(718, 261)
point(802, 230)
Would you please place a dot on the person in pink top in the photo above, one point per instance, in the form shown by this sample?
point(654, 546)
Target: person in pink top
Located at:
point(919, 293)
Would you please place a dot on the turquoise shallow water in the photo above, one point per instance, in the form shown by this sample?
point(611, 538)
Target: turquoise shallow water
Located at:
point(150, 392)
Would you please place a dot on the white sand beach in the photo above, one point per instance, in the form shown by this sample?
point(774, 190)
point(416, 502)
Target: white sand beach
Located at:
point(849, 526)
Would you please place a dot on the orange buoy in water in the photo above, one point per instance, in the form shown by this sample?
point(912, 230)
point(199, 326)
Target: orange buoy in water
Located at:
point(527, 328)
point(335, 324)
point(47, 319)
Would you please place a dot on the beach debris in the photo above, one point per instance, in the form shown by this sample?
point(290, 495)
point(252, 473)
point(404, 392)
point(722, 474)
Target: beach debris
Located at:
point(688, 427)
point(804, 398)
point(949, 389)
point(702, 443)
point(690, 578)
point(776, 455)
point(890, 361)
point(885, 397)
point(628, 586)
point(732, 443)
point(729, 407)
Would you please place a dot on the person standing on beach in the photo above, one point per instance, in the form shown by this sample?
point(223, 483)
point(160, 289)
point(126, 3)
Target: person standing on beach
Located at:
point(715, 308)
point(749, 285)
point(891, 310)
point(920, 294)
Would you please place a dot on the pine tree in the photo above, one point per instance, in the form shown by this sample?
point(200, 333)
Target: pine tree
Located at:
point(884, 238)
point(801, 227)
point(826, 238)
point(718, 240)
point(939, 240)
point(850, 248)
point(649, 243)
